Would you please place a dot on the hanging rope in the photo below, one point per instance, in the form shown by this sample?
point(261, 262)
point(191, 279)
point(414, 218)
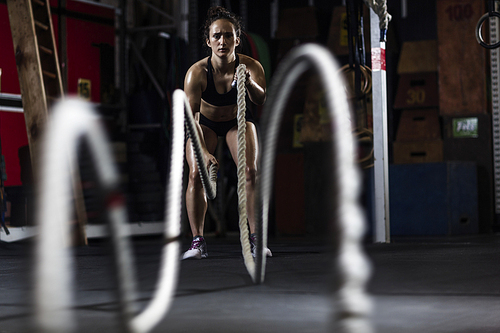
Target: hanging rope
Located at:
point(242, 166)
point(380, 8)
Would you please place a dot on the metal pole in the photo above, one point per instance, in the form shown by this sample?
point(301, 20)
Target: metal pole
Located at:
point(244, 13)
point(380, 133)
point(274, 17)
point(184, 20)
point(194, 52)
point(495, 105)
point(122, 13)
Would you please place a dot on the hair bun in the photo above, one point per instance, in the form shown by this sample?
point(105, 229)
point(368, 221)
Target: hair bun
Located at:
point(217, 11)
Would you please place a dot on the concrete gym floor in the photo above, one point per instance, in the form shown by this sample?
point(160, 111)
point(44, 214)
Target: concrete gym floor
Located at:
point(418, 285)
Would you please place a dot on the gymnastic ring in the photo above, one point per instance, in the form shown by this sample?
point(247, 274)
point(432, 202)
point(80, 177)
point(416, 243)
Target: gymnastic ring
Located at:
point(366, 77)
point(479, 26)
point(350, 93)
point(365, 135)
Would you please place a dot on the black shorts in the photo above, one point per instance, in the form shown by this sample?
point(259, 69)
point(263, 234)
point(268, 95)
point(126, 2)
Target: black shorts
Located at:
point(222, 127)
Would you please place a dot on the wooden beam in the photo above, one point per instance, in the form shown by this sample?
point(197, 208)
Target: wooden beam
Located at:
point(29, 71)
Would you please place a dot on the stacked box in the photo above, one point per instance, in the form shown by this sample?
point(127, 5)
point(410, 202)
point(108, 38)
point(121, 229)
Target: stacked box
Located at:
point(418, 138)
point(462, 61)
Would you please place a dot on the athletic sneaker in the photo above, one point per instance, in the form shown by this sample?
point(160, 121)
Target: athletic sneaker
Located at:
point(253, 243)
point(197, 250)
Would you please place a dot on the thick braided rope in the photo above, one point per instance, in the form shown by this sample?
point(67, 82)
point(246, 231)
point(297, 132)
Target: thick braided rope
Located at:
point(71, 121)
point(242, 165)
point(209, 181)
point(380, 8)
point(353, 305)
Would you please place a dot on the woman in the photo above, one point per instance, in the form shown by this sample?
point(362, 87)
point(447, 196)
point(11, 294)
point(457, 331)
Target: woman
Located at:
point(210, 85)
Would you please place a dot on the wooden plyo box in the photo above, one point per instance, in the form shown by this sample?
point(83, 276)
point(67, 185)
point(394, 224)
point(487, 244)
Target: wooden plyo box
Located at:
point(418, 151)
point(462, 61)
point(419, 125)
point(418, 90)
point(418, 57)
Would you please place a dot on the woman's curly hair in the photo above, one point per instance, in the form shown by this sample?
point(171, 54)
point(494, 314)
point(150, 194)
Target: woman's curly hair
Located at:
point(217, 13)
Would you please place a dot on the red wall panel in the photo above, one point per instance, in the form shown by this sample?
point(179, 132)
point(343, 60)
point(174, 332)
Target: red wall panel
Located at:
point(13, 135)
point(10, 82)
point(86, 25)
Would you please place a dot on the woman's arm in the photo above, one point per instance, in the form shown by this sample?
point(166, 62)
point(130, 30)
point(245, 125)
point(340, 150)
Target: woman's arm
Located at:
point(193, 86)
point(255, 81)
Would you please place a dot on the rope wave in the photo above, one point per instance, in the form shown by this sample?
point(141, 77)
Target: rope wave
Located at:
point(353, 304)
point(74, 120)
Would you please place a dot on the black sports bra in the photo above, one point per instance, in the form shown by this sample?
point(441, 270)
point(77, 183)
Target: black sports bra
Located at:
point(211, 96)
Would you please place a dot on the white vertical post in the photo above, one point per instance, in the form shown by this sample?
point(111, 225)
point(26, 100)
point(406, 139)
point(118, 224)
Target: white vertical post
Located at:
point(380, 136)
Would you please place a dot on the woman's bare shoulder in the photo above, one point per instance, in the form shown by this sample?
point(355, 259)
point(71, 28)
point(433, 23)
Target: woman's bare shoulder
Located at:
point(244, 59)
point(199, 67)
point(249, 61)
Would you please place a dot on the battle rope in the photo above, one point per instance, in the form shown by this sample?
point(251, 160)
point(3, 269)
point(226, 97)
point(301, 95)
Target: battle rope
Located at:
point(353, 304)
point(241, 172)
point(209, 181)
point(70, 122)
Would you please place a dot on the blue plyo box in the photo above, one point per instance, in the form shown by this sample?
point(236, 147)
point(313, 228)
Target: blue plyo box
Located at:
point(433, 199)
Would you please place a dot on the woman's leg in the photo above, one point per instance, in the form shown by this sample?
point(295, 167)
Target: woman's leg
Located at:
point(196, 200)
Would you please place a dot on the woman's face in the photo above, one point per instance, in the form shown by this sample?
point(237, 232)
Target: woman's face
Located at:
point(222, 38)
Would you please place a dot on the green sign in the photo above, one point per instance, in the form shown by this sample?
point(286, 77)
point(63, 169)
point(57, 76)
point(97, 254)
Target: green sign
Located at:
point(465, 127)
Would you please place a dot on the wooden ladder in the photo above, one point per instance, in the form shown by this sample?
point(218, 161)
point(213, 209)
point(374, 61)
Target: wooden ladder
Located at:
point(40, 80)
point(37, 62)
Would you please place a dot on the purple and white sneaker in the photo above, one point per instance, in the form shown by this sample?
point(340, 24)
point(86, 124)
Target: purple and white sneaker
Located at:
point(197, 250)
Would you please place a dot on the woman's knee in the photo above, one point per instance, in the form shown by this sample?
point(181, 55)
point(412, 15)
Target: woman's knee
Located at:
point(194, 177)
